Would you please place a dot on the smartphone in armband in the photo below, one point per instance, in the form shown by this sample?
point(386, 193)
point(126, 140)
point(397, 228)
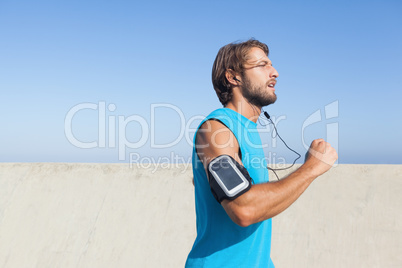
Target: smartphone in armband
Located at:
point(225, 171)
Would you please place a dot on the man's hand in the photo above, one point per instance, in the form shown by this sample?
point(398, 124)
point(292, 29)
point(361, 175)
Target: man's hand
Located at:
point(321, 156)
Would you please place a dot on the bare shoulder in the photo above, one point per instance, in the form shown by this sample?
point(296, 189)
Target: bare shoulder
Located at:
point(214, 139)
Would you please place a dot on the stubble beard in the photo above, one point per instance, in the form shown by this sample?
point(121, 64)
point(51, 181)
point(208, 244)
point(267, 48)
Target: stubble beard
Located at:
point(259, 96)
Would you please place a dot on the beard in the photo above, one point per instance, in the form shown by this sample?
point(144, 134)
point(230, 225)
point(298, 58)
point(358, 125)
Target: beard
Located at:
point(256, 95)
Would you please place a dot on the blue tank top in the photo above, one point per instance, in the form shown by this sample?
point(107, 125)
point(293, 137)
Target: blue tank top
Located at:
point(220, 242)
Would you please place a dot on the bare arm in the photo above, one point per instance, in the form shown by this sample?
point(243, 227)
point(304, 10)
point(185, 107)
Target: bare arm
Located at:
point(266, 200)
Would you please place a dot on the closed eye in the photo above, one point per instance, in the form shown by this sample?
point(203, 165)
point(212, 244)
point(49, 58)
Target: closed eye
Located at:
point(261, 65)
point(264, 64)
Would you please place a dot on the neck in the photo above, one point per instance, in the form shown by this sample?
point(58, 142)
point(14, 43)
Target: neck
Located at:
point(245, 108)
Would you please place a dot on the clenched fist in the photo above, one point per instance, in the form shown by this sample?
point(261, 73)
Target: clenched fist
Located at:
point(320, 157)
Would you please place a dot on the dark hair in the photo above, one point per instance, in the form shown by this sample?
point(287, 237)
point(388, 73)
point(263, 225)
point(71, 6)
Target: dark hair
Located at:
point(231, 56)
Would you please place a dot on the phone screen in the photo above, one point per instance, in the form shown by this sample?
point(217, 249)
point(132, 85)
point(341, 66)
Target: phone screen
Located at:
point(227, 174)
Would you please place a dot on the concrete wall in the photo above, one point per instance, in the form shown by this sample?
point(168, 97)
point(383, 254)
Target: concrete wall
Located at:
point(111, 215)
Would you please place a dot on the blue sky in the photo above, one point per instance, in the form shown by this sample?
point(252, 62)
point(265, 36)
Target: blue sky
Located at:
point(151, 61)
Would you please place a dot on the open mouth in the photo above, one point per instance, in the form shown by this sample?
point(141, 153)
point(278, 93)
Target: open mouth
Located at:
point(272, 84)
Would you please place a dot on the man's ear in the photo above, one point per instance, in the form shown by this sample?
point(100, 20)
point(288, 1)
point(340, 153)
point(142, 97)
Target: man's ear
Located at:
point(232, 77)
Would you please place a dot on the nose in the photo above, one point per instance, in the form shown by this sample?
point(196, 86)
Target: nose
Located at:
point(274, 73)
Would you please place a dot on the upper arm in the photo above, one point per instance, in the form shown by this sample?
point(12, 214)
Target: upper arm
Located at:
point(214, 139)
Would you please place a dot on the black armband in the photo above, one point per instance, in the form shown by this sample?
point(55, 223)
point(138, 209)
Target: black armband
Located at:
point(227, 178)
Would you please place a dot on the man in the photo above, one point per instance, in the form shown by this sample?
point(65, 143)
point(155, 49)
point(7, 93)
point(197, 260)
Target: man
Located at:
point(234, 227)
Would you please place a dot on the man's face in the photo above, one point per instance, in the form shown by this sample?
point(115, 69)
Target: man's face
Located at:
point(259, 79)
